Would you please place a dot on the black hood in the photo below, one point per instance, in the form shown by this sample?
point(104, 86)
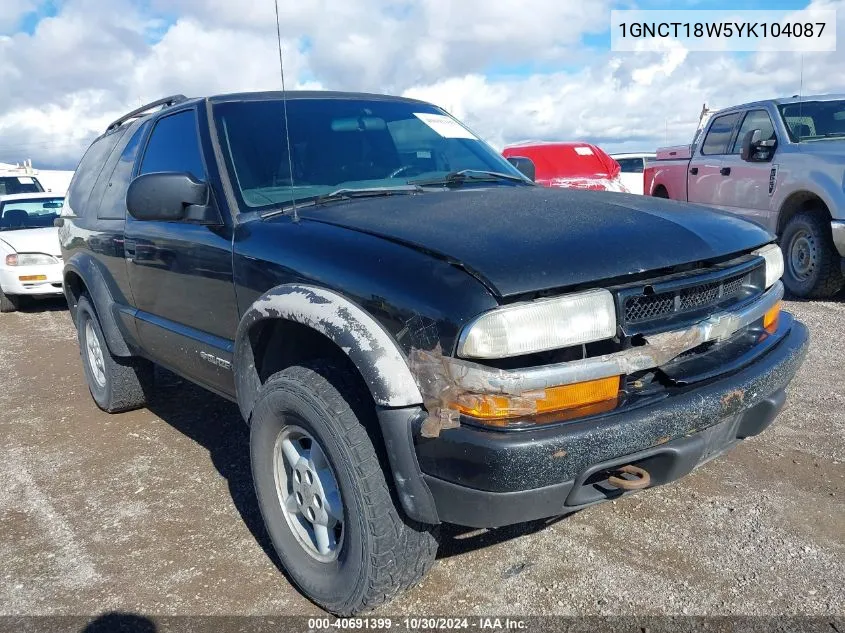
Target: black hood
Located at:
point(529, 239)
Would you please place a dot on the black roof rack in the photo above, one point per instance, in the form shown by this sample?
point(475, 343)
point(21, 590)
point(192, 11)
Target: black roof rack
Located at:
point(164, 103)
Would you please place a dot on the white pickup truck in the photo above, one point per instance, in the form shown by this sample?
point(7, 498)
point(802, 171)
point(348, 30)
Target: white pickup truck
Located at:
point(779, 163)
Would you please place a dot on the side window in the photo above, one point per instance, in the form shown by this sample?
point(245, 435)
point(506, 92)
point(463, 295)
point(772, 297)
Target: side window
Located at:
point(719, 135)
point(88, 171)
point(631, 165)
point(754, 120)
point(174, 146)
point(113, 204)
point(102, 182)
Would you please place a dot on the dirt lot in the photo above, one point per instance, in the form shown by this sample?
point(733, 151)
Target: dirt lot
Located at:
point(153, 512)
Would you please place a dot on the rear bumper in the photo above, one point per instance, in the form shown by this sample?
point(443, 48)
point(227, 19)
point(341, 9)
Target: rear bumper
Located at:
point(837, 229)
point(483, 478)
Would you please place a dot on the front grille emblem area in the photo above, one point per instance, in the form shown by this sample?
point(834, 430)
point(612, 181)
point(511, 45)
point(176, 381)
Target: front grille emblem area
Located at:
point(646, 306)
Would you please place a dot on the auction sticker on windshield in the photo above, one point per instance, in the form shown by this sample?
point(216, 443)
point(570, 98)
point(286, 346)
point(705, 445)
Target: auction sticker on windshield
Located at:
point(444, 125)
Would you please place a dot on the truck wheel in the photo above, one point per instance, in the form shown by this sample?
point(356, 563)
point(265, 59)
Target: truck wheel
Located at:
point(9, 303)
point(323, 493)
point(116, 384)
point(812, 266)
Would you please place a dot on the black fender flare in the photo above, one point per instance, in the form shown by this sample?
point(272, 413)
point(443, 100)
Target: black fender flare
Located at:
point(375, 353)
point(87, 269)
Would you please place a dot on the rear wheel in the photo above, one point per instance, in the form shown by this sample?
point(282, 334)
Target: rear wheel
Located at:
point(9, 303)
point(116, 384)
point(323, 493)
point(812, 265)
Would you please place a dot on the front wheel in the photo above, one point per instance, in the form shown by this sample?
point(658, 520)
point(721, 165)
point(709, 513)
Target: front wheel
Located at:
point(324, 496)
point(9, 303)
point(812, 265)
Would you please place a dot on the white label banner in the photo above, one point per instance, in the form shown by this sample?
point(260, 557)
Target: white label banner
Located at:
point(445, 126)
point(803, 30)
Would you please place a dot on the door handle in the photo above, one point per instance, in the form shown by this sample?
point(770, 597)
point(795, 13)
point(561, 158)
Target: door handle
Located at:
point(725, 171)
point(693, 170)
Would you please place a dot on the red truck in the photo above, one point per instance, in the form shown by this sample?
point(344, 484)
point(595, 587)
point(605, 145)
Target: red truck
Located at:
point(571, 164)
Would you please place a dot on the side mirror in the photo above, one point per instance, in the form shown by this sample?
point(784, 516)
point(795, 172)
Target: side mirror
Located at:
point(756, 150)
point(170, 197)
point(525, 166)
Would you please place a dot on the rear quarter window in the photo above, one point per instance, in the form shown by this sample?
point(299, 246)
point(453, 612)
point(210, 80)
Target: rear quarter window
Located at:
point(88, 171)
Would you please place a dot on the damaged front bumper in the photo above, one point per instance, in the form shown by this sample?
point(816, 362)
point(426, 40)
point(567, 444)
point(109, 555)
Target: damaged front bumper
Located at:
point(475, 476)
point(444, 379)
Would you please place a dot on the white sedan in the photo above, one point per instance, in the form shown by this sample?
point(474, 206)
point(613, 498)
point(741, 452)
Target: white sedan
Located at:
point(30, 258)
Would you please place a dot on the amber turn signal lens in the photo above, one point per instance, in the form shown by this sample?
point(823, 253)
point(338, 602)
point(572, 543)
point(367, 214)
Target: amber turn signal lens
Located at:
point(33, 278)
point(490, 407)
point(770, 319)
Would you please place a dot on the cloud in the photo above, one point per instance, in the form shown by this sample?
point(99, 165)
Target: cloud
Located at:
point(510, 73)
point(11, 12)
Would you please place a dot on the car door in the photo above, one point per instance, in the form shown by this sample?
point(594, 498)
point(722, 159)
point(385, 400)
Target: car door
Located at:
point(747, 186)
point(705, 180)
point(181, 272)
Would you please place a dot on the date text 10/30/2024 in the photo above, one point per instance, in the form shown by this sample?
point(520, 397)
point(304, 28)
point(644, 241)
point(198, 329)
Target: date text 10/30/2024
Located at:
point(418, 624)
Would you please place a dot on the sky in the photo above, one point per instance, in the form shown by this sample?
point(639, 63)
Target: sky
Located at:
point(511, 70)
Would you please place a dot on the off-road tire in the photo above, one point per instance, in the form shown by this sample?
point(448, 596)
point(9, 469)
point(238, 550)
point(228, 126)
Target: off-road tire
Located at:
point(826, 278)
point(383, 551)
point(128, 381)
point(9, 303)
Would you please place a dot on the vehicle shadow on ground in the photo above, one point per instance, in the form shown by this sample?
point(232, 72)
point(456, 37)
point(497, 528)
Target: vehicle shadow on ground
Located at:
point(457, 539)
point(120, 623)
point(216, 424)
point(29, 305)
point(837, 298)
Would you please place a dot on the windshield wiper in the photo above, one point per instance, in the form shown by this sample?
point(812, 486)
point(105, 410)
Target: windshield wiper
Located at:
point(475, 175)
point(346, 193)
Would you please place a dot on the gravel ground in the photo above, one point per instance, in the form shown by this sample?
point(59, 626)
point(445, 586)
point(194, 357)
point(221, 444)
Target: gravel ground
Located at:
point(152, 512)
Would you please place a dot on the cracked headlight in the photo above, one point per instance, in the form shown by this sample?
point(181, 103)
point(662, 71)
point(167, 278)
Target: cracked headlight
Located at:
point(774, 262)
point(541, 325)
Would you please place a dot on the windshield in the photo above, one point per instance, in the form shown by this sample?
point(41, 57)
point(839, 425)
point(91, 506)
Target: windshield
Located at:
point(342, 144)
point(31, 213)
point(19, 184)
point(814, 120)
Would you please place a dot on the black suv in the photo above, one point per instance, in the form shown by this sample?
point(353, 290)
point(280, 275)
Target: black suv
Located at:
point(415, 332)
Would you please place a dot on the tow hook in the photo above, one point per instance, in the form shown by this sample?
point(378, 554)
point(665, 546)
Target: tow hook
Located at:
point(642, 478)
